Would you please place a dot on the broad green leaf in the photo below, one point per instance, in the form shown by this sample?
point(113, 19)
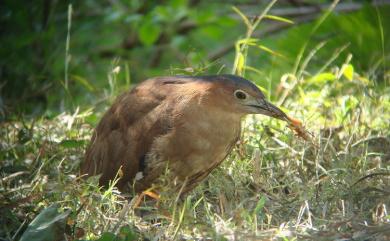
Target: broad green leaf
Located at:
point(162, 12)
point(107, 236)
point(280, 19)
point(49, 225)
point(149, 32)
point(72, 143)
point(322, 78)
point(348, 71)
point(127, 234)
point(178, 3)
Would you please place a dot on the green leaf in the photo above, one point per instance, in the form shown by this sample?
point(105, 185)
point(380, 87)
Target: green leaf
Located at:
point(265, 91)
point(149, 32)
point(259, 206)
point(107, 236)
point(247, 41)
point(48, 225)
point(348, 71)
point(253, 69)
point(240, 63)
point(84, 82)
point(246, 20)
point(268, 50)
point(322, 78)
point(280, 19)
point(351, 102)
point(127, 234)
point(72, 143)
point(178, 3)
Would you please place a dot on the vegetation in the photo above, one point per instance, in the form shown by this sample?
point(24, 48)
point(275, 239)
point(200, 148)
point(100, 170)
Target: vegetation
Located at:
point(66, 62)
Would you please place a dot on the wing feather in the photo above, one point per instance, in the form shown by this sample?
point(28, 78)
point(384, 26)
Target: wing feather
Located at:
point(127, 130)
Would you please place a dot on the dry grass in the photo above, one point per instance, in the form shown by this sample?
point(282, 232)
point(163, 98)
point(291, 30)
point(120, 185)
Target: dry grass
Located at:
point(274, 186)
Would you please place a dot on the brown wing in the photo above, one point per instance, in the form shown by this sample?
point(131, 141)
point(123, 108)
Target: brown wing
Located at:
point(126, 132)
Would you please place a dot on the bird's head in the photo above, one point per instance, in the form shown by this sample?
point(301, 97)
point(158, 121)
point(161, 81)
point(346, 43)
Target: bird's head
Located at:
point(239, 95)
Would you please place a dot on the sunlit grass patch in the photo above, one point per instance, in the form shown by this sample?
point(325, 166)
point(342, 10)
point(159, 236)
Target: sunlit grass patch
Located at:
point(273, 186)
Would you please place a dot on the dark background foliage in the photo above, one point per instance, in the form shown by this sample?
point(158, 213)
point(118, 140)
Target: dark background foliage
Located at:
point(63, 62)
point(148, 38)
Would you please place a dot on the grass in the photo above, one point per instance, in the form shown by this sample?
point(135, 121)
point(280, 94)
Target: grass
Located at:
point(274, 186)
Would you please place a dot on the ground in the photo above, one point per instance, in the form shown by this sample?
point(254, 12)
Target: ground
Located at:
point(274, 185)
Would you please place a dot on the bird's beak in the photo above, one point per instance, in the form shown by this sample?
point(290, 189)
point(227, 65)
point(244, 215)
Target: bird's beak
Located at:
point(264, 107)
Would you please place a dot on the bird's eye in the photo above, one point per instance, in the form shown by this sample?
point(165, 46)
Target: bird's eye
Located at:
point(239, 94)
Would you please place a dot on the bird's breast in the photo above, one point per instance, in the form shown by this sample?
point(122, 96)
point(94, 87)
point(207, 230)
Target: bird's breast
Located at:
point(199, 139)
point(202, 140)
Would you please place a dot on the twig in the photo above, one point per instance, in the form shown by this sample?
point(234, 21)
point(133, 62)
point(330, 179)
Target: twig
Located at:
point(12, 176)
point(370, 176)
point(20, 228)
